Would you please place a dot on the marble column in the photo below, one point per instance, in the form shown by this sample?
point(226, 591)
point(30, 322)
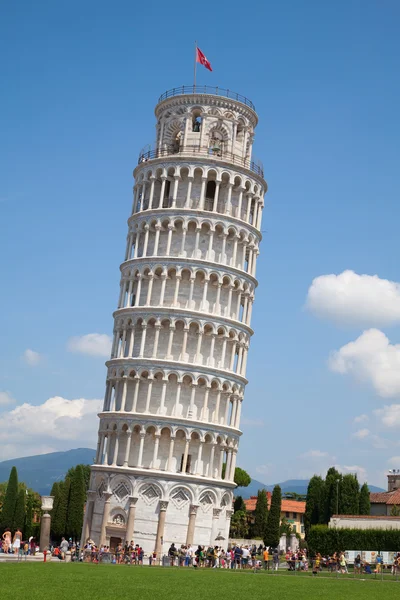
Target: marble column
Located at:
point(131, 519)
point(191, 525)
point(161, 527)
point(87, 521)
point(106, 514)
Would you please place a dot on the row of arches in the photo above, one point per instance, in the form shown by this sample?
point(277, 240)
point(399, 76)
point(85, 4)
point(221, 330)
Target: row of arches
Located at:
point(187, 288)
point(167, 449)
point(190, 239)
point(169, 394)
point(200, 188)
point(178, 340)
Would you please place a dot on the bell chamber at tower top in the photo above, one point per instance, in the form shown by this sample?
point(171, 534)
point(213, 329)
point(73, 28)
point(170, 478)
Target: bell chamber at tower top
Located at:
point(207, 123)
point(202, 157)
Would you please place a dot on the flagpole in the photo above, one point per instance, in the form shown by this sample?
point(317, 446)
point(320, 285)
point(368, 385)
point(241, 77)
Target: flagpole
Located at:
point(195, 63)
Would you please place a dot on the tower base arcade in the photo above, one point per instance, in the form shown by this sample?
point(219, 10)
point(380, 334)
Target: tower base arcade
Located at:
point(156, 511)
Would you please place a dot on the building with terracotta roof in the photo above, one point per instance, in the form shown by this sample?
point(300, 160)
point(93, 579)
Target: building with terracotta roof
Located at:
point(382, 503)
point(292, 510)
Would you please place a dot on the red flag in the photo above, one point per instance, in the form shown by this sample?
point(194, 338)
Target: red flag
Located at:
point(202, 59)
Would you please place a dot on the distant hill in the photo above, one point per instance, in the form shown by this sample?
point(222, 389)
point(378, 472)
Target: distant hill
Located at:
point(299, 486)
point(41, 471)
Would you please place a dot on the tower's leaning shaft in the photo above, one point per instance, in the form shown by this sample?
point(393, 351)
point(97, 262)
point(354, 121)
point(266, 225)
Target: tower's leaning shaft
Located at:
point(170, 425)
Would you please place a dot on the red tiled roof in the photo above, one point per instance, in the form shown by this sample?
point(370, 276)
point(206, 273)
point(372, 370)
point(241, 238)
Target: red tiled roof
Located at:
point(287, 505)
point(385, 497)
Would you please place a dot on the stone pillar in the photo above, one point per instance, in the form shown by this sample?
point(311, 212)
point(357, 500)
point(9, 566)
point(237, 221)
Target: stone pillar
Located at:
point(191, 525)
point(216, 513)
point(131, 519)
point(87, 521)
point(106, 514)
point(45, 522)
point(160, 527)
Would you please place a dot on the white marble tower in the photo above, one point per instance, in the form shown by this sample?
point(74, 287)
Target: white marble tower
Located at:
point(177, 372)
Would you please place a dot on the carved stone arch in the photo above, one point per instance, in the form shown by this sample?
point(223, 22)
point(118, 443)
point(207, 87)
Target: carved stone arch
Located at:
point(118, 516)
point(226, 501)
point(183, 429)
point(150, 491)
point(180, 496)
point(214, 112)
point(218, 131)
point(121, 486)
point(172, 130)
point(207, 500)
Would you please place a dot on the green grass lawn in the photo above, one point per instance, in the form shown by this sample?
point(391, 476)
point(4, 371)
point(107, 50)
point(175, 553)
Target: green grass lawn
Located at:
point(120, 582)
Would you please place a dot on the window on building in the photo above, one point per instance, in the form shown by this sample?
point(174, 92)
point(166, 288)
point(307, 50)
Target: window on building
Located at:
point(288, 515)
point(294, 515)
point(189, 460)
point(294, 529)
point(302, 529)
point(210, 195)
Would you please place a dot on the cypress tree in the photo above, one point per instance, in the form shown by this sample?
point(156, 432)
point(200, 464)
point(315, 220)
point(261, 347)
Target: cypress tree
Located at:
point(59, 519)
point(56, 493)
point(77, 498)
point(260, 515)
point(332, 486)
point(271, 535)
point(19, 515)
point(314, 514)
point(349, 501)
point(239, 504)
point(10, 501)
point(365, 503)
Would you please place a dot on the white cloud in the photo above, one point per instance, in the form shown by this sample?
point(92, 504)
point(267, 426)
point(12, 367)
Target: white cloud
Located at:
point(350, 298)
point(95, 344)
point(361, 434)
point(31, 357)
point(389, 415)
point(394, 462)
point(314, 454)
point(371, 358)
point(57, 424)
point(361, 419)
point(264, 469)
point(6, 398)
point(355, 469)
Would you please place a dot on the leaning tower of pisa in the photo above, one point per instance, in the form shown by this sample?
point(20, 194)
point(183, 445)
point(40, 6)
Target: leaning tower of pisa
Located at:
point(170, 425)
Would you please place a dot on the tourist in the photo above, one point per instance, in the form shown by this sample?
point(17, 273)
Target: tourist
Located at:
point(317, 564)
point(265, 555)
point(245, 556)
point(64, 547)
point(6, 541)
point(172, 553)
point(275, 559)
point(378, 564)
point(17, 541)
point(357, 564)
point(238, 557)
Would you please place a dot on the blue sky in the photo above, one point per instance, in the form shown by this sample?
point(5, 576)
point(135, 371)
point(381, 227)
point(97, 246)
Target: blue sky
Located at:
point(80, 82)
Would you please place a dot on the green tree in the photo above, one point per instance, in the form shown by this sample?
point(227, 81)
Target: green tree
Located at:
point(77, 498)
point(10, 501)
point(395, 511)
point(59, 516)
point(239, 504)
point(349, 500)
point(19, 515)
point(365, 502)
point(241, 478)
point(260, 515)
point(315, 508)
point(239, 525)
point(271, 535)
point(331, 490)
point(86, 474)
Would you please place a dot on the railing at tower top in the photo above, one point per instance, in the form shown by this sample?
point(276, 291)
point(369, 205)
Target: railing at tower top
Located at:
point(206, 89)
point(203, 152)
